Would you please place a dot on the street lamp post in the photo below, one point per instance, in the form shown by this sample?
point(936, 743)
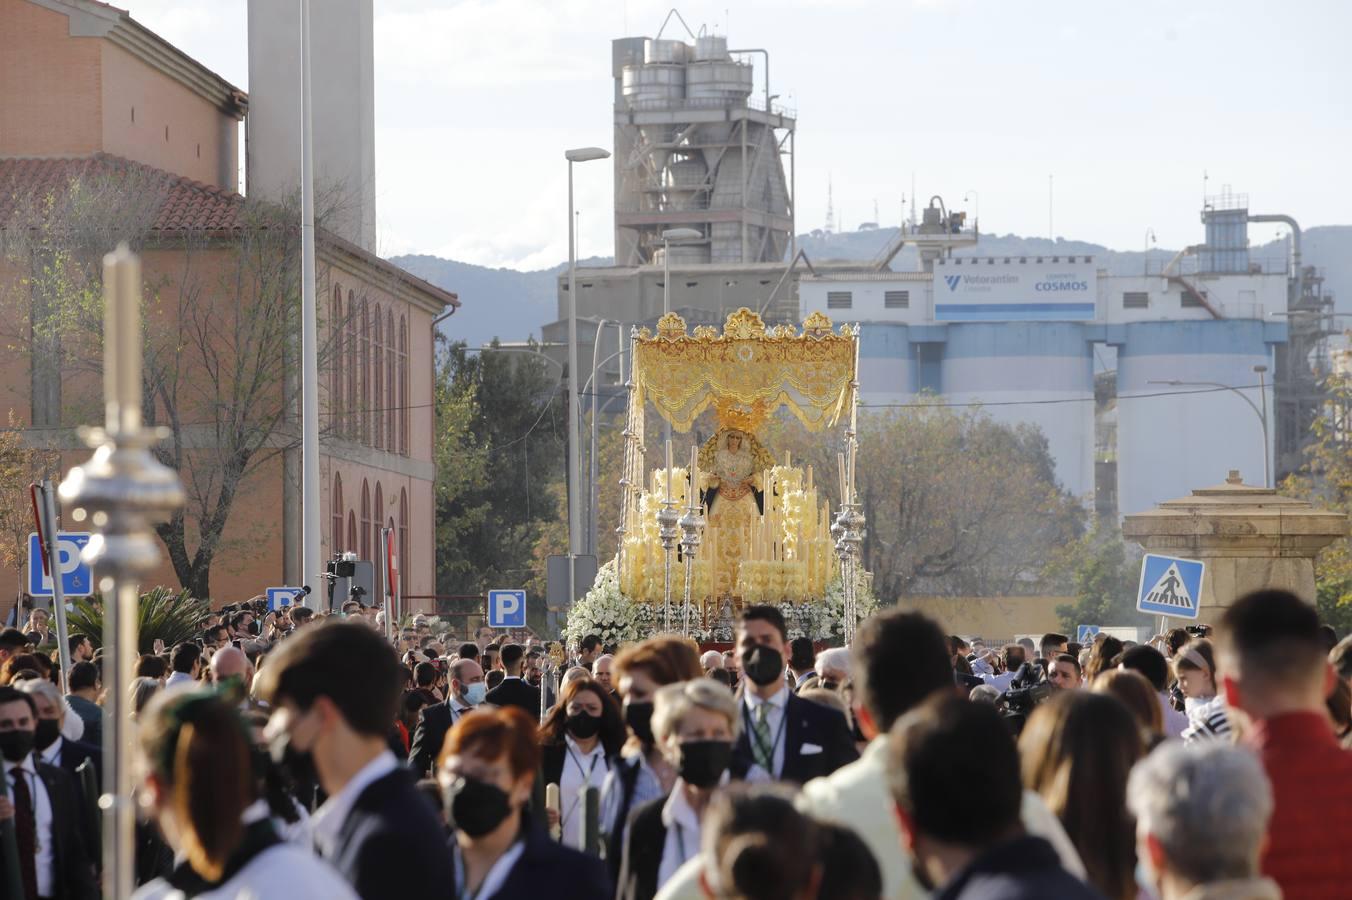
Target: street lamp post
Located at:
point(581, 154)
point(1260, 370)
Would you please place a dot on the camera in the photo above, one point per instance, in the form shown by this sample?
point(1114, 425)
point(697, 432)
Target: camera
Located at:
point(1200, 631)
point(1027, 689)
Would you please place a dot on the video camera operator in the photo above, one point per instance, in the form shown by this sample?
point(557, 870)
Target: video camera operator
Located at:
point(1026, 690)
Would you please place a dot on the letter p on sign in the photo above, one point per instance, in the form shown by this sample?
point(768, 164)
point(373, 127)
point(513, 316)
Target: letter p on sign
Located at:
point(507, 609)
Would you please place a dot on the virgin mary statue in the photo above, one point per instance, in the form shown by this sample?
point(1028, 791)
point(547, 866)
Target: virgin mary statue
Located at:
point(734, 461)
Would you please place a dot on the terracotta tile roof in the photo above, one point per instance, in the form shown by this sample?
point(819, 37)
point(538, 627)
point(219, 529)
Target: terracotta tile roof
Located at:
point(178, 206)
point(183, 204)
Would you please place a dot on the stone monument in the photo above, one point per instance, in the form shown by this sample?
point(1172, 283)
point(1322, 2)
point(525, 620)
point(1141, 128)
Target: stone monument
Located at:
point(1249, 537)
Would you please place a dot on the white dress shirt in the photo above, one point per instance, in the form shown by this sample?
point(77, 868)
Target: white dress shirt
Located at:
point(497, 873)
point(44, 858)
point(328, 820)
point(177, 678)
point(579, 770)
point(774, 719)
point(281, 872)
point(683, 832)
point(1000, 682)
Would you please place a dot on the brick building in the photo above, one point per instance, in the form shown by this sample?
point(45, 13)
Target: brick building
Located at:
point(92, 102)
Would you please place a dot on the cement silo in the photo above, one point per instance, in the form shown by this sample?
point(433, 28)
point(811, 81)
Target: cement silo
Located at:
point(1044, 371)
point(1209, 419)
point(698, 146)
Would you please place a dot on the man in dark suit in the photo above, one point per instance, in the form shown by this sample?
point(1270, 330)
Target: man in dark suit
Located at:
point(467, 690)
point(40, 798)
point(784, 738)
point(334, 690)
point(55, 749)
point(514, 691)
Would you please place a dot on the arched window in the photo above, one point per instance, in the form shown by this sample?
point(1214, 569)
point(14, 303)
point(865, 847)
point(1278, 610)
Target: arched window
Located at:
point(403, 531)
point(378, 371)
point(365, 520)
point(336, 512)
point(336, 361)
point(403, 385)
point(350, 364)
point(375, 525)
point(364, 411)
point(351, 532)
point(390, 402)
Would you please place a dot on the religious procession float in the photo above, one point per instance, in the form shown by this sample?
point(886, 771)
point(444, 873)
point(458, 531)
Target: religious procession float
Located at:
point(735, 523)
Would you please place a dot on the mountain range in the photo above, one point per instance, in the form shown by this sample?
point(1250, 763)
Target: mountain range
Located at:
point(512, 305)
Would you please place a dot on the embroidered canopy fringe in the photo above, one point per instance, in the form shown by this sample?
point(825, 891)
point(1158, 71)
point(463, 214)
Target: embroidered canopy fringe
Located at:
point(747, 366)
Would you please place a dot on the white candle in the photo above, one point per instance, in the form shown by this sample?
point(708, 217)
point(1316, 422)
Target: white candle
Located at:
point(840, 464)
point(668, 468)
point(694, 475)
point(854, 445)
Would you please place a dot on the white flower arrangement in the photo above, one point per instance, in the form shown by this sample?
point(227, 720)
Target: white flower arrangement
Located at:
point(617, 620)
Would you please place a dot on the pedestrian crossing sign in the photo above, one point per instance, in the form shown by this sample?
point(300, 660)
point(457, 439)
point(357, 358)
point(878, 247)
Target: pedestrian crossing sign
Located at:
point(1170, 586)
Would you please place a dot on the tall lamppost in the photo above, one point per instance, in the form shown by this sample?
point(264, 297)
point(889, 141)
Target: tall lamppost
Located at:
point(581, 154)
point(1260, 370)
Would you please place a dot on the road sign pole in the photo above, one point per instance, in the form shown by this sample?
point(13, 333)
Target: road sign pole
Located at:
point(58, 592)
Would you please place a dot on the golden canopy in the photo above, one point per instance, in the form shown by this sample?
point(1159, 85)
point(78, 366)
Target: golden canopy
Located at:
point(747, 366)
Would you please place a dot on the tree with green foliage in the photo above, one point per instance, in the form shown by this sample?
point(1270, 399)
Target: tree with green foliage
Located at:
point(1326, 480)
point(1101, 571)
point(501, 449)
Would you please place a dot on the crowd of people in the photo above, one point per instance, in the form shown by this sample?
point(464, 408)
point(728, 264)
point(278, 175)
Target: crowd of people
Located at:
point(292, 755)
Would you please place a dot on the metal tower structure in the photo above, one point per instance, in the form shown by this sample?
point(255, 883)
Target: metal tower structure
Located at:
point(695, 149)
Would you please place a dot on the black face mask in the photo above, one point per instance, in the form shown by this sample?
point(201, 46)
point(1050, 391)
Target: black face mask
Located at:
point(475, 807)
point(299, 765)
point(16, 745)
point(704, 762)
point(46, 733)
point(639, 718)
point(583, 725)
point(762, 664)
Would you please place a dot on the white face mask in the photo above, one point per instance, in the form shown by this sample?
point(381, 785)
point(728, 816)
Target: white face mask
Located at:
point(475, 693)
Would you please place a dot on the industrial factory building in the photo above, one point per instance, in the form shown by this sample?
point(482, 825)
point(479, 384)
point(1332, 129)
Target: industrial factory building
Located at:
point(1146, 384)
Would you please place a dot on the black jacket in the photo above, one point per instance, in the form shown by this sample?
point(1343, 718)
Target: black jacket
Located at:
point(516, 692)
point(549, 869)
point(393, 843)
point(72, 866)
point(73, 755)
point(816, 740)
point(1025, 868)
point(643, 849)
point(433, 724)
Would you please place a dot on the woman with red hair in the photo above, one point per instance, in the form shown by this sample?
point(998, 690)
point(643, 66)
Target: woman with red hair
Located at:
point(487, 772)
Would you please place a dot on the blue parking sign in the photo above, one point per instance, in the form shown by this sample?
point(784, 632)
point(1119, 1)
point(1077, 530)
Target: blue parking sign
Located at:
point(1170, 586)
point(506, 609)
point(77, 580)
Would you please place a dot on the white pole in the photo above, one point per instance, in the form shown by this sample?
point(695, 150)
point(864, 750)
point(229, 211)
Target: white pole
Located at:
point(574, 436)
point(310, 555)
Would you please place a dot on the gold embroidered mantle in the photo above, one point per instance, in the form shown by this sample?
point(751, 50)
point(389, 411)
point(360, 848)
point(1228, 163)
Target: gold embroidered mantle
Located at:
point(683, 374)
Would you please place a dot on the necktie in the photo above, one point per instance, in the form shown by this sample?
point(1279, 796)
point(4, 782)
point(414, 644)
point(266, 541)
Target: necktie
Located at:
point(26, 831)
point(765, 751)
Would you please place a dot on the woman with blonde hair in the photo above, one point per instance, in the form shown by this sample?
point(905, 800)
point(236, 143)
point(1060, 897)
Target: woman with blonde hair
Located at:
point(643, 773)
point(198, 786)
point(1136, 693)
point(695, 724)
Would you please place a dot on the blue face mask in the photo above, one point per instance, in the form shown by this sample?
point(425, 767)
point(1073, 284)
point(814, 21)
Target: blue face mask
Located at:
point(475, 693)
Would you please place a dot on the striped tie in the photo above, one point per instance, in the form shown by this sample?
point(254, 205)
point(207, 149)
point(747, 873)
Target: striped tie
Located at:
point(764, 749)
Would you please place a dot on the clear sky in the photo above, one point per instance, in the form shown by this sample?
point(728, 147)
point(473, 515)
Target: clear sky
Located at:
point(1126, 102)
